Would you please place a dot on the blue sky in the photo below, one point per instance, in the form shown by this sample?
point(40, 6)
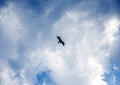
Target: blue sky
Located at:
point(30, 55)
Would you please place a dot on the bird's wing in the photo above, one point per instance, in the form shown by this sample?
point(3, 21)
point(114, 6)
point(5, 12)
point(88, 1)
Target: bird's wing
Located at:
point(58, 38)
point(63, 43)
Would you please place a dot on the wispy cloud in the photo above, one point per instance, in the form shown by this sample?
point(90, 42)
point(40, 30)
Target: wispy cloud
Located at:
point(28, 43)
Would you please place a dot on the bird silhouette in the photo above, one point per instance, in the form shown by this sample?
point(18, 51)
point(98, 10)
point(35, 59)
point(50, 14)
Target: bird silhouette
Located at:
point(60, 40)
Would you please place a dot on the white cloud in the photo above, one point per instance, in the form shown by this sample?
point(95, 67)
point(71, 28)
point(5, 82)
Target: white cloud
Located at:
point(89, 47)
point(113, 79)
point(85, 56)
point(7, 77)
point(116, 68)
point(10, 22)
point(112, 28)
point(10, 27)
point(83, 60)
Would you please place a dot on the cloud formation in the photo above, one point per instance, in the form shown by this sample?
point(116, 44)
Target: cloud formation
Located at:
point(26, 52)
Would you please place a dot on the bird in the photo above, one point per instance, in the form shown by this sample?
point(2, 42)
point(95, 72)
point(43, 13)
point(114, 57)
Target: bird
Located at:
point(60, 40)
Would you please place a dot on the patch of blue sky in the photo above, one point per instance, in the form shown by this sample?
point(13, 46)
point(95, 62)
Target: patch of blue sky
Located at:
point(117, 4)
point(113, 76)
point(115, 57)
point(3, 3)
point(44, 78)
point(39, 7)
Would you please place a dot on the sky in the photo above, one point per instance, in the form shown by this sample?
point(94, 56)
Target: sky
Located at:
point(30, 53)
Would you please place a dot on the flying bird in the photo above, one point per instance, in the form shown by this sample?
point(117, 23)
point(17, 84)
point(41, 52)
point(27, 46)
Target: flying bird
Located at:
point(60, 40)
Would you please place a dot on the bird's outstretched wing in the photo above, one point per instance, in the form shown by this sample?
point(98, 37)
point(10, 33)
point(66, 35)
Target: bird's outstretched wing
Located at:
point(63, 43)
point(58, 38)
